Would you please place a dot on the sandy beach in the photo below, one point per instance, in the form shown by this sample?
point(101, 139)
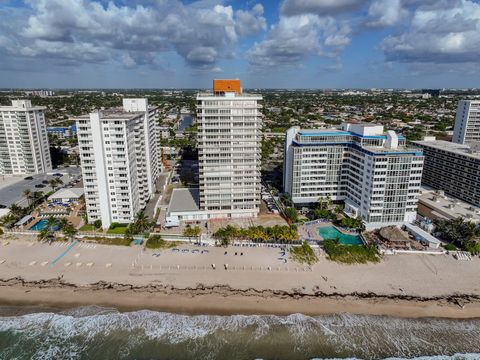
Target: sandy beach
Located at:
point(258, 282)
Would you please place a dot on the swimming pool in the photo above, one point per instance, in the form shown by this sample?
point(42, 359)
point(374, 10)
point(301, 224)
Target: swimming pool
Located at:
point(332, 233)
point(42, 224)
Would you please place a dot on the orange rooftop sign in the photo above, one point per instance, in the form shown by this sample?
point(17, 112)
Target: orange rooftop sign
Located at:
point(223, 86)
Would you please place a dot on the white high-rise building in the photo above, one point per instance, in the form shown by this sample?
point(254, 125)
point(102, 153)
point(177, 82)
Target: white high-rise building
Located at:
point(373, 172)
point(467, 122)
point(229, 146)
point(119, 159)
point(24, 147)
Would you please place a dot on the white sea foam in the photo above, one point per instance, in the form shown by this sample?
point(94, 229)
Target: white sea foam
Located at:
point(354, 334)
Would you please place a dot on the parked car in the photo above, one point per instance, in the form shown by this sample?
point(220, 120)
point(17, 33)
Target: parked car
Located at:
point(3, 206)
point(45, 182)
point(57, 174)
point(39, 186)
point(28, 178)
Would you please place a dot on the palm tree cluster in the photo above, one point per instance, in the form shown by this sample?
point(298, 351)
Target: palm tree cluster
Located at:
point(464, 234)
point(17, 212)
point(353, 223)
point(53, 225)
point(192, 231)
point(55, 183)
point(257, 233)
point(141, 225)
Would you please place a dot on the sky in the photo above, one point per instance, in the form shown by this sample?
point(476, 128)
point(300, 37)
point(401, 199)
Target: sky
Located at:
point(267, 44)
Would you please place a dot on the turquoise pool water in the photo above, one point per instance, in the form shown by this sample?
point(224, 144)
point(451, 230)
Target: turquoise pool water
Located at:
point(331, 233)
point(42, 224)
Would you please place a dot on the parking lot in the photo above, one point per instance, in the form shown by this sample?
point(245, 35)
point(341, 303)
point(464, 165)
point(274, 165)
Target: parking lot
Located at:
point(12, 187)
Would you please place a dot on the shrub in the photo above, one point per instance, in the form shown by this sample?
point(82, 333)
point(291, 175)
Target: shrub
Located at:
point(291, 214)
point(192, 231)
point(303, 254)
point(350, 254)
point(450, 247)
point(109, 241)
point(156, 242)
point(473, 248)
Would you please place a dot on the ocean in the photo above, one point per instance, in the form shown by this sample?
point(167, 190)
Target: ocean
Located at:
point(99, 333)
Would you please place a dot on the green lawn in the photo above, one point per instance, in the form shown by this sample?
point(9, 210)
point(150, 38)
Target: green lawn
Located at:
point(87, 227)
point(119, 229)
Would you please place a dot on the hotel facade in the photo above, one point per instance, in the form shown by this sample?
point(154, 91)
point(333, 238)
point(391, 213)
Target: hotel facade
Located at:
point(373, 172)
point(24, 147)
point(119, 160)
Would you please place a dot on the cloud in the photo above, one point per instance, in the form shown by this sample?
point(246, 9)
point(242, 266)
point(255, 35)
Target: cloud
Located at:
point(319, 7)
point(383, 13)
point(250, 22)
point(295, 38)
point(135, 34)
point(438, 34)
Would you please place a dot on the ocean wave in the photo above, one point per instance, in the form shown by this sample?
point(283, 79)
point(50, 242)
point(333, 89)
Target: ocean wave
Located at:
point(107, 333)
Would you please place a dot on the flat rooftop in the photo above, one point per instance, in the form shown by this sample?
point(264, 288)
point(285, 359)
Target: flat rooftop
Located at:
point(113, 114)
point(460, 149)
point(446, 206)
point(185, 199)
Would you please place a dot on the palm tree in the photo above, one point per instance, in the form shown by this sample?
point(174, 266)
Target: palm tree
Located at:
point(142, 223)
point(63, 223)
point(51, 223)
point(8, 220)
point(28, 196)
point(43, 234)
point(69, 231)
point(59, 181)
point(36, 196)
point(53, 184)
point(16, 210)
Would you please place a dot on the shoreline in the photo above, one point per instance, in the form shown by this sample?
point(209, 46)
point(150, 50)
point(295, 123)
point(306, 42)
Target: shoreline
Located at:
point(56, 295)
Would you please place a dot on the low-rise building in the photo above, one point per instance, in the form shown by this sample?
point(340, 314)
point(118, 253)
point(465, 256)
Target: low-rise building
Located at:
point(63, 132)
point(434, 204)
